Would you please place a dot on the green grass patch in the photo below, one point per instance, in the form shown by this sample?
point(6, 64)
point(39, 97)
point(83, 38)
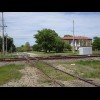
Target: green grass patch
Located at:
point(92, 75)
point(52, 72)
point(8, 72)
point(96, 52)
point(9, 56)
point(85, 69)
point(45, 80)
point(53, 53)
point(63, 53)
point(92, 63)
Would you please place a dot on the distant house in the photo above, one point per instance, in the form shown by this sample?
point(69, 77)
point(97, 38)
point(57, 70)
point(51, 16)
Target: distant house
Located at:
point(79, 41)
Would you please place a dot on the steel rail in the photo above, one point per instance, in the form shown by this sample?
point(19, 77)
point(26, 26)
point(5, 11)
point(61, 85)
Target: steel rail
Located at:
point(53, 80)
point(82, 79)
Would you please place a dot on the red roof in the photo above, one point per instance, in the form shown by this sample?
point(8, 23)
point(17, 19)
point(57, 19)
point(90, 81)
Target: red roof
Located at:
point(76, 37)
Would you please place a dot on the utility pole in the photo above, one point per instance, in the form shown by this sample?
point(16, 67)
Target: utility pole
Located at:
point(6, 42)
point(3, 46)
point(73, 39)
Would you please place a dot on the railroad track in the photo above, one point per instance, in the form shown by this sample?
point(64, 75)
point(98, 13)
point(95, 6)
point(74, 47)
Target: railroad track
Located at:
point(53, 80)
point(59, 83)
point(75, 76)
point(57, 57)
point(39, 59)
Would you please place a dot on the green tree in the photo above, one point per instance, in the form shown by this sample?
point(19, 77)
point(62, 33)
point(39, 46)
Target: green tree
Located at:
point(96, 43)
point(24, 48)
point(9, 44)
point(59, 45)
point(46, 39)
point(37, 47)
point(67, 47)
point(19, 49)
point(67, 35)
point(27, 46)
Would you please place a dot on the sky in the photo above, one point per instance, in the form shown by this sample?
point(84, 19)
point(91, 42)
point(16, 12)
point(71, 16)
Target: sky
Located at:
point(22, 26)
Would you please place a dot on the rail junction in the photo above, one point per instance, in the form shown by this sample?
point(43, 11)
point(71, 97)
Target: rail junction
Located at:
point(30, 60)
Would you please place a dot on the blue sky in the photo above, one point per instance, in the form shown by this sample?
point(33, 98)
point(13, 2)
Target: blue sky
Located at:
point(23, 25)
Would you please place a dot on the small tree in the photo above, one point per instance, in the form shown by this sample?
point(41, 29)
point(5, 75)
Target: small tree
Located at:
point(68, 35)
point(59, 45)
point(67, 47)
point(27, 46)
point(37, 47)
point(96, 43)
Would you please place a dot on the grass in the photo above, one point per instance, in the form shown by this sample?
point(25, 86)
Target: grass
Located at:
point(52, 72)
point(9, 72)
point(92, 63)
point(85, 69)
point(96, 52)
point(44, 80)
point(53, 53)
point(63, 53)
point(8, 56)
point(95, 65)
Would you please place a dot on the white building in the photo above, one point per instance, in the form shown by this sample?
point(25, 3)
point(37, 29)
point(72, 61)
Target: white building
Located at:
point(85, 50)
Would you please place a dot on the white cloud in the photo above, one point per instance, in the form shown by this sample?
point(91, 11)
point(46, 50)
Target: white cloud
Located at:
point(23, 25)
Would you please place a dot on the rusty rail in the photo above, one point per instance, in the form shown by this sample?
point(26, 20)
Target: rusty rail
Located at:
point(75, 76)
point(57, 57)
point(53, 80)
point(26, 57)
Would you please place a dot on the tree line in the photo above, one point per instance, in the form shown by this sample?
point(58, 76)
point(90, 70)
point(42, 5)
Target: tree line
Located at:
point(24, 48)
point(10, 45)
point(47, 40)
